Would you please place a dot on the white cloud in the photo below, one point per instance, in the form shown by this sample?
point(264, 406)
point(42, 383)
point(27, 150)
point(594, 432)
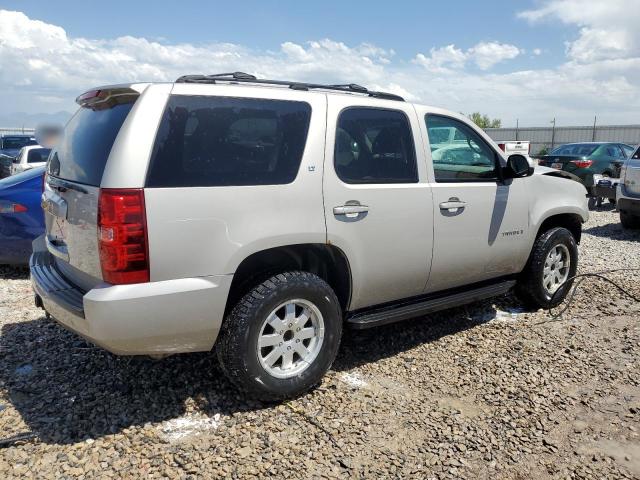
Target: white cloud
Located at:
point(485, 55)
point(488, 54)
point(607, 30)
point(41, 63)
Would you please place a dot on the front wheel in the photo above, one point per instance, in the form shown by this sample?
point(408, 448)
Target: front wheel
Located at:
point(548, 276)
point(282, 337)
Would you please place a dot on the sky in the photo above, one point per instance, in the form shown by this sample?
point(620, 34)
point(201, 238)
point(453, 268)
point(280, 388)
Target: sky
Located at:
point(528, 60)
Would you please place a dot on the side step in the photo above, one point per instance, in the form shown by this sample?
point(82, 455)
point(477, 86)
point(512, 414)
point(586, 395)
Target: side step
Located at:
point(422, 306)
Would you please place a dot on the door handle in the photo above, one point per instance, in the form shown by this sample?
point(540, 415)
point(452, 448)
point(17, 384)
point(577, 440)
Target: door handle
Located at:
point(350, 209)
point(453, 203)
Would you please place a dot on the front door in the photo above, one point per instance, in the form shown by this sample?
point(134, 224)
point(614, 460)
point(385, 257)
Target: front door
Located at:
point(378, 205)
point(480, 222)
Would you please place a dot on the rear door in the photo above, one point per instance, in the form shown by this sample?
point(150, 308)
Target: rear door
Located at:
point(378, 206)
point(74, 175)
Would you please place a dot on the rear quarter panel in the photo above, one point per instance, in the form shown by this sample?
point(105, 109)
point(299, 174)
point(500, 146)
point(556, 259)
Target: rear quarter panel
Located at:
point(198, 231)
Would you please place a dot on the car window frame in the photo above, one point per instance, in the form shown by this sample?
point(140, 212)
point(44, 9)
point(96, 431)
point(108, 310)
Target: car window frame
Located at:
point(496, 156)
point(231, 97)
point(411, 133)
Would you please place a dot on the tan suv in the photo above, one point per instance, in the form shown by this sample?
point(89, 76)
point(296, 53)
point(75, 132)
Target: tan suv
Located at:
point(261, 216)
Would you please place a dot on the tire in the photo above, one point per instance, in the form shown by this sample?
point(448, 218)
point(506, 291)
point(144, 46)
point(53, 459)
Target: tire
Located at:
point(629, 221)
point(530, 288)
point(247, 366)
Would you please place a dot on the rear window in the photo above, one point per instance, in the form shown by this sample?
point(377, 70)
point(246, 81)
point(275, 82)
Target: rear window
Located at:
point(84, 148)
point(38, 155)
point(575, 149)
point(225, 141)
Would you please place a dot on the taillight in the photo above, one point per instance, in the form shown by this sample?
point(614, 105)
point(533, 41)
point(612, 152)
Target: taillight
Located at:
point(122, 236)
point(11, 207)
point(582, 163)
point(501, 145)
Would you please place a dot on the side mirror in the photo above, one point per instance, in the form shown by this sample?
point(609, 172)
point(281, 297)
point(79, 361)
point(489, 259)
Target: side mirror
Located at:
point(517, 167)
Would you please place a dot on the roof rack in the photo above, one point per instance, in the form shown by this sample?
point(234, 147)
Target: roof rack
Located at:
point(241, 77)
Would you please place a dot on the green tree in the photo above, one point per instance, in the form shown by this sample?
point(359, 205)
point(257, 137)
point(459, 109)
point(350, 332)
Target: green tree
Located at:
point(483, 121)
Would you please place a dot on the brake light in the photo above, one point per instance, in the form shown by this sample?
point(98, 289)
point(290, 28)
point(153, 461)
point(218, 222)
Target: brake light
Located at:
point(10, 207)
point(501, 145)
point(122, 236)
point(582, 163)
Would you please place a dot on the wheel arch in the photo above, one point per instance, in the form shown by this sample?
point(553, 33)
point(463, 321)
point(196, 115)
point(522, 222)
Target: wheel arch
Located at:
point(570, 221)
point(327, 261)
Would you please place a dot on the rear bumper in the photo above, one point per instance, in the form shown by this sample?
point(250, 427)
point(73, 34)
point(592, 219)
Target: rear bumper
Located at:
point(173, 316)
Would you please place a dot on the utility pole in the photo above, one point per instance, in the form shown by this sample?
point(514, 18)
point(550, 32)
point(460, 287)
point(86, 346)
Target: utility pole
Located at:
point(553, 133)
point(517, 127)
point(593, 137)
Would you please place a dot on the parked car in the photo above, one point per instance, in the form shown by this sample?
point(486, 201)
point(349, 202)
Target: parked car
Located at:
point(10, 145)
point(262, 216)
point(21, 217)
point(588, 159)
point(628, 192)
point(30, 157)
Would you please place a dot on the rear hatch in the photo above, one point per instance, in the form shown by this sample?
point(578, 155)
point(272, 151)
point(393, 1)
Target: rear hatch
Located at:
point(631, 177)
point(74, 173)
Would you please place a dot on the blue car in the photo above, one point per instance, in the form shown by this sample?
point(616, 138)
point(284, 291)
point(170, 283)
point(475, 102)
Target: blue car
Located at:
point(21, 217)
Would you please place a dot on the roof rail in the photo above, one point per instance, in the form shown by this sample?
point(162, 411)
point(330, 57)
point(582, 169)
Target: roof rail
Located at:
point(241, 77)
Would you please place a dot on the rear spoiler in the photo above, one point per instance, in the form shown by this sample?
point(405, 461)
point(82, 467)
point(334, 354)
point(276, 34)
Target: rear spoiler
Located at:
point(108, 96)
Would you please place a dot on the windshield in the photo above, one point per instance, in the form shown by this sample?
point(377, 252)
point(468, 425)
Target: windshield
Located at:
point(575, 149)
point(16, 143)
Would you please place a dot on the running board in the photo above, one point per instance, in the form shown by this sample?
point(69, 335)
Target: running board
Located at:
point(422, 306)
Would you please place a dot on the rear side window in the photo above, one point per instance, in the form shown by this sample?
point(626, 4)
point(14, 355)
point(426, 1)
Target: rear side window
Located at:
point(208, 141)
point(84, 148)
point(38, 155)
point(374, 145)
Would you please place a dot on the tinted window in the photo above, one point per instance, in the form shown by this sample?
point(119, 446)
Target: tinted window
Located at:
point(636, 156)
point(465, 158)
point(374, 146)
point(37, 155)
point(614, 151)
point(223, 141)
point(16, 143)
point(628, 150)
point(84, 148)
point(575, 149)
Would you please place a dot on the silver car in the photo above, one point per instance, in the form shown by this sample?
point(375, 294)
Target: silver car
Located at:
point(628, 192)
point(264, 216)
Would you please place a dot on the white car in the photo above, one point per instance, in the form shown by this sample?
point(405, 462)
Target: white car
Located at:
point(263, 216)
point(628, 192)
point(30, 157)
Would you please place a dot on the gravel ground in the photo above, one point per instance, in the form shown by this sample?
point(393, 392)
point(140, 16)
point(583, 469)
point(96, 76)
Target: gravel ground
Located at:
point(486, 391)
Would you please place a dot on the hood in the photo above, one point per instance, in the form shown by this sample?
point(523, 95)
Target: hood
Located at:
point(552, 172)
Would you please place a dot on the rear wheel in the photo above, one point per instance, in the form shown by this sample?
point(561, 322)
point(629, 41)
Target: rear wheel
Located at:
point(548, 276)
point(282, 336)
point(629, 221)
